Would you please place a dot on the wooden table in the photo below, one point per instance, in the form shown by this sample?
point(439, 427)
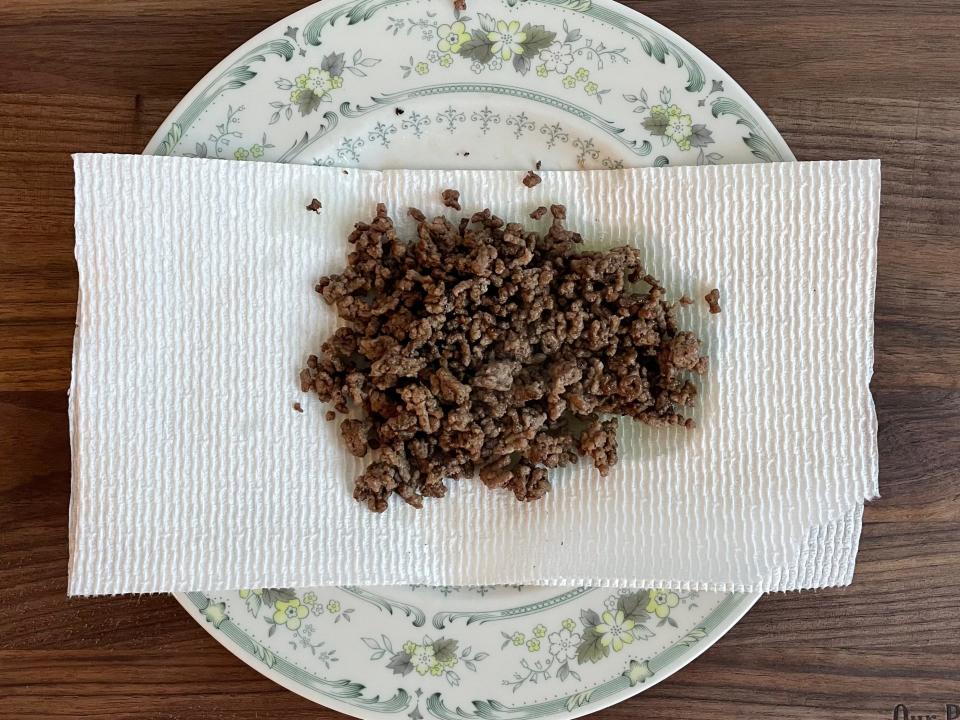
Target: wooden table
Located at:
point(841, 80)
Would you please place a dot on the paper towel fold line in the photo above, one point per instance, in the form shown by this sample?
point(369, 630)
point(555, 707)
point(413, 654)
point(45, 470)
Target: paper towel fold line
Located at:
point(196, 311)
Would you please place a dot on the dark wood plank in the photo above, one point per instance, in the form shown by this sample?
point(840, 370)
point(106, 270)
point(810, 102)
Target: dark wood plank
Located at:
point(840, 79)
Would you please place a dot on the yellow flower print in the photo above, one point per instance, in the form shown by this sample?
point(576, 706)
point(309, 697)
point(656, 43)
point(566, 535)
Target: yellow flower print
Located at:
point(582, 74)
point(507, 39)
point(241, 154)
point(569, 624)
point(518, 638)
point(533, 645)
point(591, 88)
point(257, 150)
point(336, 81)
point(569, 81)
point(333, 606)
point(446, 61)
point(660, 601)
point(318, 80)
point(452, 37)
point(310, 598)
point(540, 631)
point(542, 70)
point(423, 659)
point(422, 68)
point(615, 631)
point(290, 613)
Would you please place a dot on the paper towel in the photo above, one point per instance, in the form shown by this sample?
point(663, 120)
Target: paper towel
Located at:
point(191, 470)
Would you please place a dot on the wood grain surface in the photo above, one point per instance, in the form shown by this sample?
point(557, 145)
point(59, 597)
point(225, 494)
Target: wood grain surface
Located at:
point(840, 79)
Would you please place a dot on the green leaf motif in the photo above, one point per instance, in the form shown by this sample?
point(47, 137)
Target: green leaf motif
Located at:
point(657, 123)
point(578, 700)
point(478, 48)
point(215, 613)
point(267, 657)
point(589, 618)
point(591, 648)
point(445, 650)
point(633, 606)
point(308, 102)
point(273, 595)
point(487, 22)
point(333, 64)
point(253, 600)
point(701, 136)
point(538, 38)
point(400, 664)
point(170, 141)
point(521, 64)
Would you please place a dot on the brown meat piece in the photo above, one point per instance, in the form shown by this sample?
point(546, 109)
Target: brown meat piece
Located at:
point(713, 300)
point(481, 349)
point(451, 199)
point(354, 434)
point(531, 179)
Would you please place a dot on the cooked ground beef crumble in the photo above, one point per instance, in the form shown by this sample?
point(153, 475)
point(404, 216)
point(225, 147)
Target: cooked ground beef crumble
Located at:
point(486, 349)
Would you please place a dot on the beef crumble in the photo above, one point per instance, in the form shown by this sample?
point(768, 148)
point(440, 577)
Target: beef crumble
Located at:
point(484, 349)
point(713, 300)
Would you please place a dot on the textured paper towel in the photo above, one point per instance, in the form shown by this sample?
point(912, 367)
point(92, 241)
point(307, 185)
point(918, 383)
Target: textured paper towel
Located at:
point(192, 471)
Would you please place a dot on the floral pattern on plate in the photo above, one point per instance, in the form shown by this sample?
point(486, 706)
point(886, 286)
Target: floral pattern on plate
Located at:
point(410, 83)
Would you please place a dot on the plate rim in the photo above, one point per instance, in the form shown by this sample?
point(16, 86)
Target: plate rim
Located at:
point(213, 622)
point(744, 602)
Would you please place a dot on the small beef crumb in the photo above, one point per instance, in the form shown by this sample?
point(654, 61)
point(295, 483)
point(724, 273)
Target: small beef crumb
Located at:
point(355, 436)
point(398, 111)
point(531, 179)
point(315, 206)
point(713, 300)
point(460, 5)
point(451, 199)
point(685, 300)
point(481, 349)
point(298, 407)
point(330, 416)
point(539, 164)
point(538, 213)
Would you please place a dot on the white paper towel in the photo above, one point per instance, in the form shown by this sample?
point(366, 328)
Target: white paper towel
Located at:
point(192, 471)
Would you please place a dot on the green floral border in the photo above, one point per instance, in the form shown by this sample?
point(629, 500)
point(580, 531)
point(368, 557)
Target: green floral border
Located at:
point(418, 617)
point(653, 42)
point(440, 620)
point(637, 148)
point(342, 691)
point(350, 693)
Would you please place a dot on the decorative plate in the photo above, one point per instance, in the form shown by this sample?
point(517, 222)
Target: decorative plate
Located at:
point(410, 83)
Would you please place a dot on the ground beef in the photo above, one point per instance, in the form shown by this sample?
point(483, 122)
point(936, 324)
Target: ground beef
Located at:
point(451, 199)
point(531, 179)
point(482, 349)
point(713, 300)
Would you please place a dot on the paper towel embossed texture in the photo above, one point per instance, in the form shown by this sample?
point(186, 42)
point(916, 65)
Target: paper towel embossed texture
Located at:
point(190, 470)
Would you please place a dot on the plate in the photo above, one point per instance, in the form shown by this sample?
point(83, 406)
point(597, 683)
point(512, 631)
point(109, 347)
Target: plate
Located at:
point(573, 84)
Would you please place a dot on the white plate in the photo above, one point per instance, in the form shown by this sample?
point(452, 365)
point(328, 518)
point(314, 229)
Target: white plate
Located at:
point(399, 83)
